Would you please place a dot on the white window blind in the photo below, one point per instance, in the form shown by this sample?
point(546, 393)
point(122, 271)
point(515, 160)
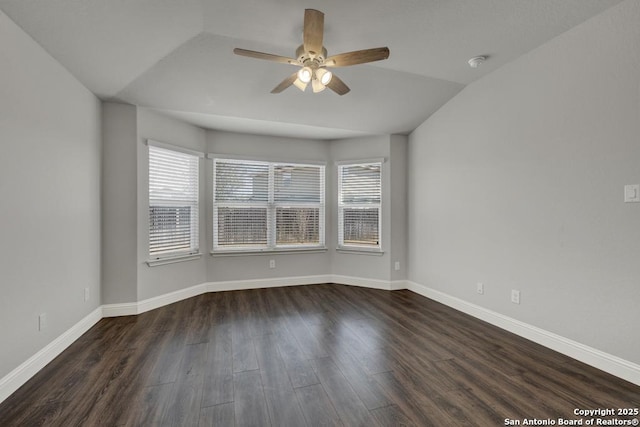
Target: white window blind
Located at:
point(359, 201)
point(267, 206)
point(298, 199)
point(241, 196)
point(173, 203)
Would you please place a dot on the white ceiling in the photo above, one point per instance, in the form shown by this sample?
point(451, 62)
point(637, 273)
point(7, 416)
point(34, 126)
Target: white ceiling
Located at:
point(175, 56)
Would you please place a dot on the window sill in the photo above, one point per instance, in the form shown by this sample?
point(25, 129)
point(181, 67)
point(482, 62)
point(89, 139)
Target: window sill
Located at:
point(173, 259)
point(360, 251)
point(291, 251)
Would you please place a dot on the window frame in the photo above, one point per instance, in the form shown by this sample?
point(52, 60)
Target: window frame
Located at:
point(349, 247)
point(193, 252)
point(271, 206)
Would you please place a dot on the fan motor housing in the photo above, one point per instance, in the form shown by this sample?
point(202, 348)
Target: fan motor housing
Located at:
point(304, 57)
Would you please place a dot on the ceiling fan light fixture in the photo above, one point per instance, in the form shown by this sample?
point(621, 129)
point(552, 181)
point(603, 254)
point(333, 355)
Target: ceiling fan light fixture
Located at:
point(311, 57)
point(324, 75)
point(305, 74)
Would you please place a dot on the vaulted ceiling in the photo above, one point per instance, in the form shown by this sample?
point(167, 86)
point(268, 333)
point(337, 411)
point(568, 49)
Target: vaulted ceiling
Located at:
point(176, 56)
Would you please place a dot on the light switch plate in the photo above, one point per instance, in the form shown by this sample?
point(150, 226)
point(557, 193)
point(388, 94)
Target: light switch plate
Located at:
point(632, 193)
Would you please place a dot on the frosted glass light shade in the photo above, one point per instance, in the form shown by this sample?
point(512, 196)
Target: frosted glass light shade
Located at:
point(305, 74)
point(324, 76)
point(317, 86)
point(300, 85)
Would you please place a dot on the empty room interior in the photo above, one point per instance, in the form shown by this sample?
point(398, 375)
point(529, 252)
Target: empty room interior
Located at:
point(288, 213)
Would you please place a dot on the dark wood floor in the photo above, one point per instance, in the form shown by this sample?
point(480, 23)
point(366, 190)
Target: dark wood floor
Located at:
point(308, 355)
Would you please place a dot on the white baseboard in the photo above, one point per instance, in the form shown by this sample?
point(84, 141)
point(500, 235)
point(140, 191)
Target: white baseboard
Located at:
point(20, 375)
point(117, 310)
point(397, 285)
point(607, 362)
point(134, 308)
point(131, 309)
point(360, 281)
point(237, 285)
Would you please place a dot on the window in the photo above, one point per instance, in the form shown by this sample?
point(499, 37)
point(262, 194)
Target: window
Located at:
point(267, 206)
point(359, 198)
point(173, 202)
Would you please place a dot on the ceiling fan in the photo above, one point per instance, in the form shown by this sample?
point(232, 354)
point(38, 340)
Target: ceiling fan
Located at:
point(311, 56)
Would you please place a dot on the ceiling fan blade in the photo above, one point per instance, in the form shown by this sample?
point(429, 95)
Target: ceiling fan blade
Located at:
point(285, 83)
point(313, 31)
point(357, 57)
point(266, 56)
point(338, 85)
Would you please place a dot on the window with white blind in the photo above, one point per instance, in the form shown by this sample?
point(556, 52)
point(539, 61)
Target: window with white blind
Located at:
point(267, 206)
point(359, 202)
point(173, 202)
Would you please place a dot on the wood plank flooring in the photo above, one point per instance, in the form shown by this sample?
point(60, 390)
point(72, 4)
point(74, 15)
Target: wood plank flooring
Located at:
point(308, 356)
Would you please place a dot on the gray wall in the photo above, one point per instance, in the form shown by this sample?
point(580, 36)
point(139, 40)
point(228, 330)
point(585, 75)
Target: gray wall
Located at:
point(518, 183)
point(119, 203)
point(50, 197)
point(162, 279)
point(126, 276)
point(398, 201)
point(364, 265)
point(249, 267)
point(222, 268)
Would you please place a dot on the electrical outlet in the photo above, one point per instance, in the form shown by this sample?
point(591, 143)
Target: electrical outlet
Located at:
point(86, 294)
point(272, 263)
point(632, 193)
point(42, 321)
point(396, 266)
point(480, 288)
point(515, 296)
